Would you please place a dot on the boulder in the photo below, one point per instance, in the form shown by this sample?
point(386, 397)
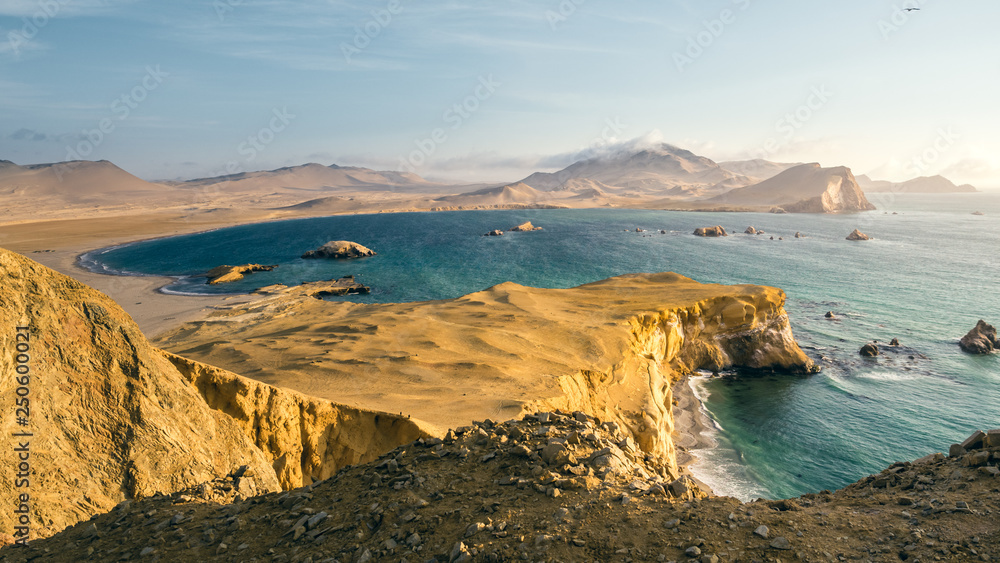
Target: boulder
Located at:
point(798, 234)
point(980, 340)
point(869, 350)
point(857, 235)
point(340, 249)
point(830, 315)
point(524, 227)
point(750, 230)
point(227, 274)
point(894, 342)
point(716, 231)
point(494, 233)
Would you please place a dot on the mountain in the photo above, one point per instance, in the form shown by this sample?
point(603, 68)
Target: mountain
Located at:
point(806, 188)
point(74, 181)
point(657, 170)
point(313, 177)
point(921, 185)
point(758, 168)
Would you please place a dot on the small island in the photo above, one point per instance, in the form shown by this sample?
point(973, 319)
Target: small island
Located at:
point(858, 235)
point(228, 274)
point(716, 231)
point(524, 227)
point(340, 249)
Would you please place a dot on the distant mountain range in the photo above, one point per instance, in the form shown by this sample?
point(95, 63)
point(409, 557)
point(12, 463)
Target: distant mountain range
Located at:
point(921, 185)
point(658, 177)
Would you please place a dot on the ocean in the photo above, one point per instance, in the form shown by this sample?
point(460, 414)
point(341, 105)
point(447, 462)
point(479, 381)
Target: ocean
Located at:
point(926, 277)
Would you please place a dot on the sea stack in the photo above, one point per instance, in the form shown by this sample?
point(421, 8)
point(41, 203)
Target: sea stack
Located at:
point(340, 249)
point(980, 340)
point(524, 227)
point(857, 235)
point(716, 231)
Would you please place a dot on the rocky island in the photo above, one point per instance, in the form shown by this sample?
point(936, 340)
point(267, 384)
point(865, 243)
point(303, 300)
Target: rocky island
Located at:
point(716, 231)
point(340, 249)
point(524, 227)
point(227, 274)
point(982, 339)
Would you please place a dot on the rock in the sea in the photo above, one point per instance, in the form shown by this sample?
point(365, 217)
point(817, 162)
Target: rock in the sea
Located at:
point(894, 342)
point(857, 235)
point(798, 234)
point(226, 274)
point(494, 233)
point(716, 231)
point(524, 227)
point(980, 340)
point(750, 230)
point(869, 350)
point(830, 315)
point(340, 249)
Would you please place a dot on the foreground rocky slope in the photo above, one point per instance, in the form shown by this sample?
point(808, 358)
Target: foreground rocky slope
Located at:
point(553, 487)
point(611, 349)
point(112, 418)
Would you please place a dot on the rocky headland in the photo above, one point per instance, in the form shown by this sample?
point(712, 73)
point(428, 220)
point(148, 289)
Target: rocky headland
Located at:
point(227, 274)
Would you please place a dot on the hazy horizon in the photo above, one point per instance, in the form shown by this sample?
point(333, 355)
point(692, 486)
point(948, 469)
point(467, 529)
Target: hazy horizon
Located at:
point(494, 92)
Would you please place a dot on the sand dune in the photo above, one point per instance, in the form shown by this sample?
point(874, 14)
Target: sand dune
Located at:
point(72, 181)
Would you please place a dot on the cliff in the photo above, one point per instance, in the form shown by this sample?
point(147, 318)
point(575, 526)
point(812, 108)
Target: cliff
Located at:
point(806, 188)
point(610, 349)
point(112, 418)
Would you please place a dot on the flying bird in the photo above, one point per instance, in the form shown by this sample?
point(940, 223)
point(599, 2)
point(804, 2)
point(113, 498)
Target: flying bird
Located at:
point(910, 9)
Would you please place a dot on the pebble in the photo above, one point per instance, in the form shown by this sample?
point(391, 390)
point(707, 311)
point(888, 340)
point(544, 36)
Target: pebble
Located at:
point(693, 551)
point(761, 531)
point(781, 543)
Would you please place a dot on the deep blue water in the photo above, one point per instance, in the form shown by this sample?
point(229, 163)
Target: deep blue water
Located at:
point(926, 278)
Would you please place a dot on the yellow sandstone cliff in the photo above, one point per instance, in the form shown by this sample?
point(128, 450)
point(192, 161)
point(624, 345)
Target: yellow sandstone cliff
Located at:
point(112, 418)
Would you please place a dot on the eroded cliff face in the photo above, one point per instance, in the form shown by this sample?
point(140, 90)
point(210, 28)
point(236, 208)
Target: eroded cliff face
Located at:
point(107, 417)
point(740, 330)
point(305, 439)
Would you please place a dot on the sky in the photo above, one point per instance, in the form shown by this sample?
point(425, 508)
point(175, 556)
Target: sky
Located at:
point(493, 90)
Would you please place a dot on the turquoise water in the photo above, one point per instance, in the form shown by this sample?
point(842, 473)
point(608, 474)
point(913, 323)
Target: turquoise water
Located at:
point(926, 278)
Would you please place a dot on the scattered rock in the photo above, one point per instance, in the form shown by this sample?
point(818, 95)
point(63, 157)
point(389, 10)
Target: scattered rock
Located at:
point(869, 350)
point(340, 249)
point(980, 340)
point(830, 315)
point(227, 274)
point(798, 234)
point(857, 235)
point(716, 231)
point(781, 543)
point(750, 230)
point(894, 342)
point(494, 233)
point(761, 531)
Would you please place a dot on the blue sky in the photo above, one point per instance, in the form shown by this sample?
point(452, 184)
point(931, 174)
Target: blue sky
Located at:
point(494, 90)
